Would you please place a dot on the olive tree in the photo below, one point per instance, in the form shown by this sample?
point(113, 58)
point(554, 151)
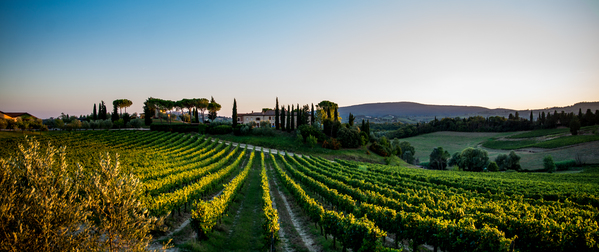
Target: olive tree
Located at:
point(48, 206)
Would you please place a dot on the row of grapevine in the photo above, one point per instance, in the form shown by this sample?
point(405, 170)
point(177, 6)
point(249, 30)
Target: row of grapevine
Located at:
point(162, 204)
point(205, 214)
point(358, 234)
point(180, 179)
point(547, 226)
point(413, 225)
point(270, 226)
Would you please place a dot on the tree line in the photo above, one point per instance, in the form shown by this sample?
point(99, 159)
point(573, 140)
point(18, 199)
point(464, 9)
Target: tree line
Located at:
point(491, 124)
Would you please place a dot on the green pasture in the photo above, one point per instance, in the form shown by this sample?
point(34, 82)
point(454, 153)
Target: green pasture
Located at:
point(532, 158)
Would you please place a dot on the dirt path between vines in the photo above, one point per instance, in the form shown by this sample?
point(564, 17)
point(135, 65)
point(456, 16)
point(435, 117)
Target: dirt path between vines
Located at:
point(287, 216)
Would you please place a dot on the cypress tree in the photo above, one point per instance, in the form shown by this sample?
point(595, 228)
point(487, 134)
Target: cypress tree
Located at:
point(115, 114)
point(277, 115)
point(102, 114)
point(283, 126)
point(95, 113)
point(336, 115)
point(312, 115)
point(288, 119)
point(300, 116)
point(531, 117)
point(292, 121)
point(147, 115)
point(543, 117)
point(234, 112)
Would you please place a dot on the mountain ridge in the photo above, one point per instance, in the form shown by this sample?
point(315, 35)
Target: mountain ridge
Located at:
point(427, 111)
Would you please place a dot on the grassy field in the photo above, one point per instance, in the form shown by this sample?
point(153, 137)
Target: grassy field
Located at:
point(532, 159)
point(450, 141)
point(551, 132)
point(533, 143)
point(539, 133)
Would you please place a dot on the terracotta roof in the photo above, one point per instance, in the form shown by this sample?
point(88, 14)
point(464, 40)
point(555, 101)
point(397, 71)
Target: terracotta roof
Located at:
point(267, 113)
point(16, 114)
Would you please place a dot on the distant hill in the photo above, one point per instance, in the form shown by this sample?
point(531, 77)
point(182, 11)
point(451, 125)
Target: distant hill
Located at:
point(411, 111)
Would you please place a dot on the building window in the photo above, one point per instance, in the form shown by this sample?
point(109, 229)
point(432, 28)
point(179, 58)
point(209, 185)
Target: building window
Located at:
point(257, 118)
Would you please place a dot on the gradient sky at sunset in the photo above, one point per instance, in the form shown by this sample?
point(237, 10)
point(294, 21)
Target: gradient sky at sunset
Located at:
point(64, 56)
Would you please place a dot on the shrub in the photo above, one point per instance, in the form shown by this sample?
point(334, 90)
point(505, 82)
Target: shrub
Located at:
point(408, 157)
point(509, 161)
point(425, 164)
point(332, 144)
point(85, 125)
point(220, 130)
point(119, 123)
point(406, 146)
point(242, 130)
point(379, 149)
point(565, 165)
point(365, 137)
point(311, 141)
point(392, 160)
point(106, 124)
point(349, 138)
point(263, 131)
point(308, 130)
point(493, 167)
point(548, 164)
point(137, 123)
point(201, 128)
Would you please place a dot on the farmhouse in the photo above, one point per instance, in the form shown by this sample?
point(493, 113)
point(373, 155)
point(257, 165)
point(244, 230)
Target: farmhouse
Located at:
point(257, 117)
point(14, 115)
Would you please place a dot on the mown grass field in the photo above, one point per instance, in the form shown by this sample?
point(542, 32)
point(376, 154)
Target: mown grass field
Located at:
point(532, 158)
point(450, 141)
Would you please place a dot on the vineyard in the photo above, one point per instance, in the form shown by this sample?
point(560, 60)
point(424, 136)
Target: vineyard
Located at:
point(352, 205)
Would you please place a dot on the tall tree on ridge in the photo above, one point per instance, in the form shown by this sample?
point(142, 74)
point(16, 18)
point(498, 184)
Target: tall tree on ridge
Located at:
point(292, 121)
point(531, 117)
point(115, 114)
point(277, 115)
point(213, 107)
point(351, 119)
point(283, 118)
point(289, 118)
point(312, 115)
point(336, 115)
point(95, 113)
point(234, 113)
point(202, 105)
point(188, 104)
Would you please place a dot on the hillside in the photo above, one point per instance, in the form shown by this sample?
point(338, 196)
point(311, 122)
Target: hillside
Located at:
point(425, 112)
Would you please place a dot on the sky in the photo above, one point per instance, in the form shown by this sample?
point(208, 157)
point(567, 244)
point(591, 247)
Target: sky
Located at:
point(65, 56)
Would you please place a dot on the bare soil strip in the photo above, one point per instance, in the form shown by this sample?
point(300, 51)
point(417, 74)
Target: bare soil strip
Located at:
point(287, 215)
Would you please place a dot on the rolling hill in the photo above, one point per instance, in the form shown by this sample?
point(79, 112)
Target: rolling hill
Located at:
point(425, 112)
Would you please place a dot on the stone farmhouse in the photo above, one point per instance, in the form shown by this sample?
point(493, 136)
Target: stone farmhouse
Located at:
point(257, 117)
